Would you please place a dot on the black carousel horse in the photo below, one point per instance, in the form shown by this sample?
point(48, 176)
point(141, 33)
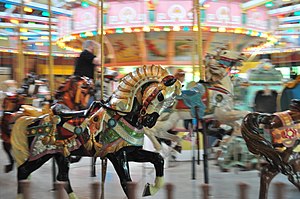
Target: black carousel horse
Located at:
point(112, 130)
point(33, 87)
point(73, 94)
point(282, 152)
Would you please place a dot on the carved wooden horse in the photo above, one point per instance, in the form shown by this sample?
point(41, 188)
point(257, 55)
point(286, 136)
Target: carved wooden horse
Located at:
point(73, 94)
point(282, 153)
point(214, 98)
point(114, 130)
point(32, 88)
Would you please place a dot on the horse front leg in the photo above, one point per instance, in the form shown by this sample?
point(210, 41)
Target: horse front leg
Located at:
point(63, 174)
point(7, 149)
point(27, 168)
point(120, 163)
point(267, 174)
point(140, 155)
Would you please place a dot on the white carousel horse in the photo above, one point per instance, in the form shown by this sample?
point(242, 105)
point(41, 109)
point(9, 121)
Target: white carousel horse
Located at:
point(214, 99)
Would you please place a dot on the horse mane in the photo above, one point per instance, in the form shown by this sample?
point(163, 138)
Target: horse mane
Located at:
point(123, 97)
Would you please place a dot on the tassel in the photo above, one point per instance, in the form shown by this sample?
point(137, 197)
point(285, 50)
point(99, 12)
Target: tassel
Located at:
point(66, 152)
point(89, 145)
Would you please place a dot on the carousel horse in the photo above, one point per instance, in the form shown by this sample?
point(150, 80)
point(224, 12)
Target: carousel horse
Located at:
point(33, 88)
point(282, 151)
point(73, 94)
point(113, 129)
point(213, 99)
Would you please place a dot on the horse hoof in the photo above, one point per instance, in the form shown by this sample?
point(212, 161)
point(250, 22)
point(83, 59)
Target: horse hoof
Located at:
point(146, 191)
point(8, 168)
point(73, 196)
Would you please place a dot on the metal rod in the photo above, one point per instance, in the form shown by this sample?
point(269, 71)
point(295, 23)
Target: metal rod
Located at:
point(20, 70)
point(104, 161)
point(192, 129)
point(198, 7)
point(193, 41)
point(205, 156)
point(104, 169)
point(102, 48)
point(51, 75)
point(197, 135)
point(53, 174)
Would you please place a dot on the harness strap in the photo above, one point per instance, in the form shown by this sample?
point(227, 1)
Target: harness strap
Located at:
point(285, 118)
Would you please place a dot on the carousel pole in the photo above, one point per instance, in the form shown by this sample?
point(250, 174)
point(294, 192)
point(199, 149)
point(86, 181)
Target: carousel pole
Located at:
point(51, 79)
point(199, 49)
point(20, 71)
point(193, 43)
point(51, 75)
point(200, 56)
point(103, 161)
point(202, 77)
point(98, 39)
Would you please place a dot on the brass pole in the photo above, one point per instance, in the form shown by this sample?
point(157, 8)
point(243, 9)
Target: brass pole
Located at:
point(20, 70)
point(102, 48)
point(193, 41)
point(98, 39)
point(51, 75)
point(103, 161)
point(200, 61)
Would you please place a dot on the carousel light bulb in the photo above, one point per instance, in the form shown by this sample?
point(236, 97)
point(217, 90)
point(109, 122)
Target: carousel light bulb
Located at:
point(27, 9)
point(84, 4)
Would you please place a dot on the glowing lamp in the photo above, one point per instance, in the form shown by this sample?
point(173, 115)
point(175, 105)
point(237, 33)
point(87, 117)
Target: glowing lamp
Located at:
point(84, 4)
point(27, 9)
point(269, 4)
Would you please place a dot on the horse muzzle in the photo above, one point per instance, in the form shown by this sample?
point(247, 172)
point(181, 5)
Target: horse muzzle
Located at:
point(149, 120)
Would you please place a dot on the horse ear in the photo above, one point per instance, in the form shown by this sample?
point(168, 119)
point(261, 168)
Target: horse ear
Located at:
point(169, 80)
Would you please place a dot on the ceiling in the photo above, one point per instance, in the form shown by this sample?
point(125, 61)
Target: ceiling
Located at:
point(288, 22)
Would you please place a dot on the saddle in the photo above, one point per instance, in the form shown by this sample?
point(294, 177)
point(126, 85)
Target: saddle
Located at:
point(32, 111)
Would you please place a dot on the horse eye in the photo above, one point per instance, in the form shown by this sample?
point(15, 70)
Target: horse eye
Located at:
point(160, 97)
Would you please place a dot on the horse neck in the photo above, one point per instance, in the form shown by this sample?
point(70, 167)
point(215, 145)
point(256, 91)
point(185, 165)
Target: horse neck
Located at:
point(227, 84)
point(68, 96)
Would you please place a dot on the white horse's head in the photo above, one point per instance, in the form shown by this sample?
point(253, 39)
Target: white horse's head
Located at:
point(218, 64)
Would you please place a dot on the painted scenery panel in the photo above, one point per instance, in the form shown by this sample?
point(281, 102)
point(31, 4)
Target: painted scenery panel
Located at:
point(183, 44)
point(126, 48)
point(156, 45)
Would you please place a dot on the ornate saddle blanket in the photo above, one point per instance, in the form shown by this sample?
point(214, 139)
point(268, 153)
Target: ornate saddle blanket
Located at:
point(289, 133)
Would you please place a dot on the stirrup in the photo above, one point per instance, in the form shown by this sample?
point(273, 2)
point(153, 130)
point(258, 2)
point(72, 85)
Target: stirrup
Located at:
point(146, 191)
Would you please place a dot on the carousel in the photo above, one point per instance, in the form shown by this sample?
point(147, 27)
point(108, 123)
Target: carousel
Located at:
point(136, 109)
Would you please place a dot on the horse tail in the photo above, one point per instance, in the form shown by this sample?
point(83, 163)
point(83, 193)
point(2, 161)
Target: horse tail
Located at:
point(20, 147)
point(256, 143)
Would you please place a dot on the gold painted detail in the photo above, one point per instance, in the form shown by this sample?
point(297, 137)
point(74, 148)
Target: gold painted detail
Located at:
point(129, 85)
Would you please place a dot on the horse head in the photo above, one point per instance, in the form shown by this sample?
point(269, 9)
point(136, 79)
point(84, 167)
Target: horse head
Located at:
point(75, 92)
point(218, 63)
point(155, 97)
point(143, 94)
